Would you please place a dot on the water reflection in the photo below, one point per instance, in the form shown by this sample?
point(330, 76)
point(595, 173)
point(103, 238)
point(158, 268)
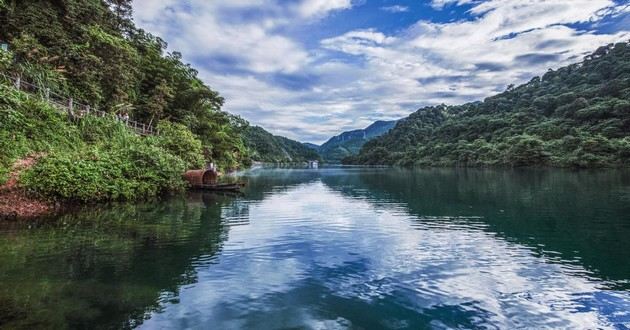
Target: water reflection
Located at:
point(107, 267)
point(336, 252)
point(336, 248)
point(581, 217)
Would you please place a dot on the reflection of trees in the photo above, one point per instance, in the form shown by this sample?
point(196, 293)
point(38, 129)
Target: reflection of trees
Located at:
point(579, 214)
point(106, 267)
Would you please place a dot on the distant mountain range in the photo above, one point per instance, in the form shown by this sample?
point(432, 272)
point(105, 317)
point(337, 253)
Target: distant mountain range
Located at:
point(350, 143)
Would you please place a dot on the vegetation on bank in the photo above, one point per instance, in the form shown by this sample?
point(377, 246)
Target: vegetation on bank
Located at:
point(93, 159)
point(577, 116)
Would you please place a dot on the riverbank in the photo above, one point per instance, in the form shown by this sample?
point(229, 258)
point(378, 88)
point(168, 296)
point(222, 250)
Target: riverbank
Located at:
point(47, 158)
point(15, 203)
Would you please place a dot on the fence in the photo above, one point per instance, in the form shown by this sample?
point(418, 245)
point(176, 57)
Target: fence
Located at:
point(75, 109)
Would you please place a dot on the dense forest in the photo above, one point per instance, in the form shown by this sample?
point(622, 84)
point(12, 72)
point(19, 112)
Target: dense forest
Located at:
point(91, 50)
point(349, 143)
point(268, 148)
point(576, 116)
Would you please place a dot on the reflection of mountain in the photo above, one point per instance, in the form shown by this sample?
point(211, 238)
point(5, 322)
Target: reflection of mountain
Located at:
point(546, 210)
point(115, 263)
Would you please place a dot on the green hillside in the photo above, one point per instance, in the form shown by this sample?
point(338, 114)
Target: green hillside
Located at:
point(576, 116)
point(350, 143)
point(265, 147)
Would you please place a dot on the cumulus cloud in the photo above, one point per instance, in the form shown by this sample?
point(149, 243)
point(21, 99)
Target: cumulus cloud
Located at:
point(249, 51)
point(318, 8)
point(455, 62)
point(196, 29)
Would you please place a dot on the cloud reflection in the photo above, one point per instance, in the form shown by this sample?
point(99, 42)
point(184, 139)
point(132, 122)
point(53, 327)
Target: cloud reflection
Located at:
point(313, 257)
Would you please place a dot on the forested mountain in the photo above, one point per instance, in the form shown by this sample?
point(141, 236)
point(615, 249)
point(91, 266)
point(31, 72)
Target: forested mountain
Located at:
point(265, 147)
point(576, 116)
point(349, 143)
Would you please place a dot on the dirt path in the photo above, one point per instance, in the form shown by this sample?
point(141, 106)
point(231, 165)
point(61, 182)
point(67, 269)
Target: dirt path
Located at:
point(14, 203)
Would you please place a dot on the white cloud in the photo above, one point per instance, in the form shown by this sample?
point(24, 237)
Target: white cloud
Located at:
point(195, 28)
point(395, 9)
point(363, 75)
point(509, 42)
point(319, 8)
point(439, 4)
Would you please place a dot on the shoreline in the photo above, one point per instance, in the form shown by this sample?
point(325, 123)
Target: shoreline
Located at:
point(17, 205)
point(15, 202)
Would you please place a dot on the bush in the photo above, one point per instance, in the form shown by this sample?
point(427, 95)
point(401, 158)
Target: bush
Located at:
point(97, 174)
point(623, 148)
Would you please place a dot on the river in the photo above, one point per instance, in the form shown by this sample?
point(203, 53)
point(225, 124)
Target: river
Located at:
point(335, 248)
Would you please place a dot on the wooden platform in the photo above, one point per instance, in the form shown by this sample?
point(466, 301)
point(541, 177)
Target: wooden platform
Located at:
point(220, 187)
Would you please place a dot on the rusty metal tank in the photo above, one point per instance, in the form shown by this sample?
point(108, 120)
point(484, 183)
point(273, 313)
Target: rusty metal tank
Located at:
point(200, 178)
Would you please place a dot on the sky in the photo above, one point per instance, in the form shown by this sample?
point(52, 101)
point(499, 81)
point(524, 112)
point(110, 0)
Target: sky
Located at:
point(311, 69)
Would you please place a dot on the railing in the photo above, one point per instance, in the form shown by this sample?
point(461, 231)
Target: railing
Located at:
point(74, 109)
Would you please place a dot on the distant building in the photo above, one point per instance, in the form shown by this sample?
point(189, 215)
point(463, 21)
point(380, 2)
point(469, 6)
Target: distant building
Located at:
point(4, 46)
point(313, 164)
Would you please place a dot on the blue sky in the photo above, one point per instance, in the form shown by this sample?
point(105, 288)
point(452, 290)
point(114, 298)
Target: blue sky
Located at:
point(309, 69)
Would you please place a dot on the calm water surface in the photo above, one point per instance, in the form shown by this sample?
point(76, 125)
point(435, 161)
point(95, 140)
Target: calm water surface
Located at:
point(335, 249)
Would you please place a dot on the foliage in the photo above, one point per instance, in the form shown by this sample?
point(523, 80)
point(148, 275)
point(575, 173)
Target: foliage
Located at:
point(29, 126)
point(577, 116)
point(5, 60)
point(106, 172)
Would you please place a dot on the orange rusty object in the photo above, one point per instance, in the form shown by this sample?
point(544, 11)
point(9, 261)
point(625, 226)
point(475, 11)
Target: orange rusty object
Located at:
point(200, 178)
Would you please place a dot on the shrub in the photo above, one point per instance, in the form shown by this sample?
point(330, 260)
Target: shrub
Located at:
point(97, 174)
